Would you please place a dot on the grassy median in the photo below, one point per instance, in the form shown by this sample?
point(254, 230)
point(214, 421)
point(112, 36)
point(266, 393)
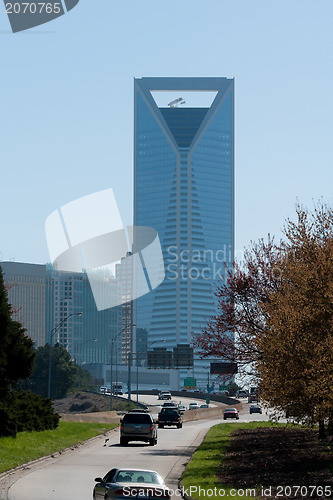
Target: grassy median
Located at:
point(28, 446)
point(260, 460)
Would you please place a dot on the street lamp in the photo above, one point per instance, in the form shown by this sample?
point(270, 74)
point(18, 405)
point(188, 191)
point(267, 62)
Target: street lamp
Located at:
point(81, 344)
point(79, 379)
point(129, 361)
point(111, 361)
point(52, 333)
point(137, 368)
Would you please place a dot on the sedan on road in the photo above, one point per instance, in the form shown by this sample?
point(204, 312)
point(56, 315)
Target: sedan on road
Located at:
point(130, 483)
point(255, 409)
point(230, 413)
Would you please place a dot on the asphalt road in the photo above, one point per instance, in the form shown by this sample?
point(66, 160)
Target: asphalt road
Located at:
point(71, 475)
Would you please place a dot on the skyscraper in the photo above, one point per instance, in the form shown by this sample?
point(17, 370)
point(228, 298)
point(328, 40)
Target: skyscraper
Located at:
point(184, 188)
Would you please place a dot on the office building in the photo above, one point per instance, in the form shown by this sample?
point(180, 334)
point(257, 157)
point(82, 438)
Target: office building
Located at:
point(184, 189)
point(27, 291)
point(88, 337)
point(47, 302)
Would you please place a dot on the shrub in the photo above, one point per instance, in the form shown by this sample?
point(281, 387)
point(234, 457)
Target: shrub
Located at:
point(26, 411)
point(7, 425)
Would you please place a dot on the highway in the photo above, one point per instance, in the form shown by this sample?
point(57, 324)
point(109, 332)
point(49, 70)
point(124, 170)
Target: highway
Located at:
point(71, 475)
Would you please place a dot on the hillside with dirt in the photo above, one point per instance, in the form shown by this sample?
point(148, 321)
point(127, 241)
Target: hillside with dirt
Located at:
point(87, 402)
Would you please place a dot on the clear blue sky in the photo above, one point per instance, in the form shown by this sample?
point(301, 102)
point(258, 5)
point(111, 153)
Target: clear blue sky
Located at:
point(67, 105)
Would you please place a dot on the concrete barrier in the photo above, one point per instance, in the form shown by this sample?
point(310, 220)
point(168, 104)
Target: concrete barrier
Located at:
point(101, 417)
point(201, 413)
point(111, 417)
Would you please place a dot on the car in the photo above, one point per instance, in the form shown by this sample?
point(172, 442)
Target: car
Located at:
point(138, 426)
point(230, 413)
point(170, 416)
point(130, 483)
point(193, 406)
point(139, 410)
point(204, 406)
point(168, 404)
point(164, 395)
point(242, 394)
point(182, 408)
point(255, 409)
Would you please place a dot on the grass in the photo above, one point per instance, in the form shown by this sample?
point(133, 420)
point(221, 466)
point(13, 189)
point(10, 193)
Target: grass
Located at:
point(258, 455)
point(201, 473)
point(28, 446)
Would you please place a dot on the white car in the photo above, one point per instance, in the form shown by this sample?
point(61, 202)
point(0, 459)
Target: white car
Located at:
point(164, 395)
point(193, 406)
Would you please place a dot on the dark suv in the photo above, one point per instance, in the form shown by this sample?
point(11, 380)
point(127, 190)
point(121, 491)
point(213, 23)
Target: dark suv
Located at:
point(170, 416)
point(138, 426)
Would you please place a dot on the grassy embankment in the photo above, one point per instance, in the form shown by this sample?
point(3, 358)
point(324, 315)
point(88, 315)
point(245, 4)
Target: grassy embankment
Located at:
point(257, 460)
point(28, 446)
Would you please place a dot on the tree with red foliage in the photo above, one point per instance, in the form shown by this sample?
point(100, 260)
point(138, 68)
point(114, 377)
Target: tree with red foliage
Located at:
point(231, 334)
point(275, 318)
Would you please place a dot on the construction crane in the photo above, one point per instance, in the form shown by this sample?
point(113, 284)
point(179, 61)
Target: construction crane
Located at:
point(174, 104)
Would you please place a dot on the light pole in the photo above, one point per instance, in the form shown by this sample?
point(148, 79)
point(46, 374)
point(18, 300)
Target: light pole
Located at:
point(111, 362)
point(129, 360)
point(81, 344)
point(74, 359)
point(137, 368)
point(52, 333)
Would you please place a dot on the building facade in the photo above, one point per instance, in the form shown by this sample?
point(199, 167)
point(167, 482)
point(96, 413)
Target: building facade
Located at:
point(184, 189)
point(27, 293)
point(48, 303)
point(88, 337)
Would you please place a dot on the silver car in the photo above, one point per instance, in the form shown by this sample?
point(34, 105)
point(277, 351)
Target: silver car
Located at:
point(130, 483)
point(138, 426)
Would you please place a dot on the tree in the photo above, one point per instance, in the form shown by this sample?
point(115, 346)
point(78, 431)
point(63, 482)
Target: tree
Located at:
point(17, 352)
point(232, 333)
point(296, 368)
point(65, 374)
point(276, 317)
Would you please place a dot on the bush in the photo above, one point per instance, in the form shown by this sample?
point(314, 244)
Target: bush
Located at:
point(26, 411)
point(7, 425)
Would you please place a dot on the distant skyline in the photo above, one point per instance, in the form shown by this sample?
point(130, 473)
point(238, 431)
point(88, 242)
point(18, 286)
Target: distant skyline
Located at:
point(66, 127)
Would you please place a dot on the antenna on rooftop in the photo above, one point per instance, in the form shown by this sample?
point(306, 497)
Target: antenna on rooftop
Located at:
point(174, 104)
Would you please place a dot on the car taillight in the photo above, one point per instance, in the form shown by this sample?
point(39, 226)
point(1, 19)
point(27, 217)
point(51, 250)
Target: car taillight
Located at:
point(151, 427)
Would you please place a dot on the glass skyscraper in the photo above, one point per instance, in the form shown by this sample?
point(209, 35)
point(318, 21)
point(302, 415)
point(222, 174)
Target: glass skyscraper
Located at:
point(184, 189)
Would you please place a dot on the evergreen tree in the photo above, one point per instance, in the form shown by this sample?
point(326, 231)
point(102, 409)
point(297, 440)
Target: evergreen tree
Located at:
point(16, 348)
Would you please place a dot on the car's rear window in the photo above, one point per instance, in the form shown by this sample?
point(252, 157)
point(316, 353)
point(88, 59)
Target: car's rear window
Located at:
point(138, 477)
point(169, 411)
point(138, 418)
